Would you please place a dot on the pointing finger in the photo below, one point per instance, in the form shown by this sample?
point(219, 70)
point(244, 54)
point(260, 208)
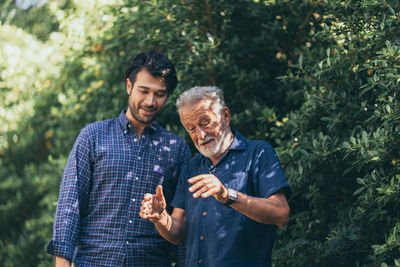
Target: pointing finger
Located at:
point(159, 192)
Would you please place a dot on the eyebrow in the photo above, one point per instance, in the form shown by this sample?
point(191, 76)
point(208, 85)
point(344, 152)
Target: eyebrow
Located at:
point(148, 88)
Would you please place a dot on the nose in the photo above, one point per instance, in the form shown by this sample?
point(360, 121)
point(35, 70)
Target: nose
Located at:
point(149, 100)
point(201, 133)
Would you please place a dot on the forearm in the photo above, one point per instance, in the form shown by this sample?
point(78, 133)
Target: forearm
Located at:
point(62, 262)
point(272, 210)
point(170, 228)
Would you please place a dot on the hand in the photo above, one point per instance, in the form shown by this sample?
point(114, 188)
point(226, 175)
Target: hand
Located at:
point(62, 262)
point(206, 185)
point(153, 205)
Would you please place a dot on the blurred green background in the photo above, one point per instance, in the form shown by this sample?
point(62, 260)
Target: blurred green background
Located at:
point(318, 79)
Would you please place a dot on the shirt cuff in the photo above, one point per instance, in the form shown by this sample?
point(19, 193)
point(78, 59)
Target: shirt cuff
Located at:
point(60, 249)
point(286, 190)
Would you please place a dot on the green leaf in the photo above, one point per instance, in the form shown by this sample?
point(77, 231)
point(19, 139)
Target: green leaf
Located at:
point(358, 191)
point(353, 140)
point(301, 61)
point(360, 181)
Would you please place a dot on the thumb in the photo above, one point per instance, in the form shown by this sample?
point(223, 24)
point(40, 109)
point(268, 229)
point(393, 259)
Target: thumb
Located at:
point(159, 193)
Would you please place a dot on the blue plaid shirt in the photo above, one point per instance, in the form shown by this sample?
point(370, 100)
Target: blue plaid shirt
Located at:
point(109, 170)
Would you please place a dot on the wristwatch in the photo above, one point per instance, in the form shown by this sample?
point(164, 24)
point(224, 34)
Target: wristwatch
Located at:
point(232, 197)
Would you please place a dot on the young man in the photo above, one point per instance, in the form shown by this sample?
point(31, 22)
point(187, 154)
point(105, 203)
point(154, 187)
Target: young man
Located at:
point(230, 198)
point(112, 164)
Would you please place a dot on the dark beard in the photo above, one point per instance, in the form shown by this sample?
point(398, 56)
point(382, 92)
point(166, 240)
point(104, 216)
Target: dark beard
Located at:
point(137, 118)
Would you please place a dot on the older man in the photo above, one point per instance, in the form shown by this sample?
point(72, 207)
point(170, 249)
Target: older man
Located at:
point(230, 198)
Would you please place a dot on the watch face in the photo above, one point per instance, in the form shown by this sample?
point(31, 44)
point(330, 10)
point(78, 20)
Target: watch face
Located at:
point(232, 194)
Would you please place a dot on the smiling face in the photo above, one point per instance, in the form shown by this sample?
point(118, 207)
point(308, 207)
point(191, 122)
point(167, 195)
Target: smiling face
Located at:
point(147, 97)
point(208, 127)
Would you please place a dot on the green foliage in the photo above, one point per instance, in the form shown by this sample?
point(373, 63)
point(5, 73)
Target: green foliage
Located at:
point(317, 79)
point(341, 147)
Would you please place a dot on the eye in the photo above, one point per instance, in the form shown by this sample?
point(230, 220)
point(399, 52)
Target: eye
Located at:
point(190, 128)
point(205, 123)
point(143, 91)
point(161, 94)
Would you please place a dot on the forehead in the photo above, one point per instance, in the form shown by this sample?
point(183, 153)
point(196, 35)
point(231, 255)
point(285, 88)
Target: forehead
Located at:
point(203, 108)
point(145, 79)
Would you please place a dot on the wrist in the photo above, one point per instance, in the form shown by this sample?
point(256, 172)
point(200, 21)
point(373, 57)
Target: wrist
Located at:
point(161, 219)
point(232, 197)
point(164, 221)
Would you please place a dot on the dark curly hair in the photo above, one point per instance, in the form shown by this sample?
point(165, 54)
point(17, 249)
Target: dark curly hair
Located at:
point(157, 64)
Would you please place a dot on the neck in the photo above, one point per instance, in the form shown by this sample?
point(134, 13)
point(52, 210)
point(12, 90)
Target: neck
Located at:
point(137, 126)
point(138, 129)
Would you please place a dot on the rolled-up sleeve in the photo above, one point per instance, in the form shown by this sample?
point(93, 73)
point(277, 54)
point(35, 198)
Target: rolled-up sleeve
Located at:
point(72, 202)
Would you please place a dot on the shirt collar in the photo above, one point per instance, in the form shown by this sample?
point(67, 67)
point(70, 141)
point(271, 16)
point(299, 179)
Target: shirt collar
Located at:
point(238, 142)
point(127, 126)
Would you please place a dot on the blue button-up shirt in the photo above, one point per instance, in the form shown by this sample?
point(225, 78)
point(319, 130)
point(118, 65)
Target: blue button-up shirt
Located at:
point(221, 236)
point(107, 173)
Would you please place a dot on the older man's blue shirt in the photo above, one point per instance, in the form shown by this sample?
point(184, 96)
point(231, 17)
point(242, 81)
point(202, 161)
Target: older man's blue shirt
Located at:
point(109, 170)
point(221, 236)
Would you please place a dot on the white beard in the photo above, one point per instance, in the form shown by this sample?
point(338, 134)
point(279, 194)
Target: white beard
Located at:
point(218, 147)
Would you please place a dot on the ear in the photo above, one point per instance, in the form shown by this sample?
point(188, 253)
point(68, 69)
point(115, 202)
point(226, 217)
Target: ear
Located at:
point(226, 115)
point(129, 86)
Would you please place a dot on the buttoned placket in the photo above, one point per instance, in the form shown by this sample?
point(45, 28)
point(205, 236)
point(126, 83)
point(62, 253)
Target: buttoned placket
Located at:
point(202, 237)
point(137, 146)
point(136, 142)
point(127, 133)
point(212, 171)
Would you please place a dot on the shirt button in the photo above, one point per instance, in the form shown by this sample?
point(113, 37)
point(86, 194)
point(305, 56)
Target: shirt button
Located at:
point(137, 178)
point(205, 214)
point(139, 158)
point(125, 132)
point(127, 242)
point(135, 140)
point(130, 221)
point(200, 261)
point(133, 200)
point(201, 237)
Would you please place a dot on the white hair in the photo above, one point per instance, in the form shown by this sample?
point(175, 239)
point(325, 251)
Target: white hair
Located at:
point(198, 93)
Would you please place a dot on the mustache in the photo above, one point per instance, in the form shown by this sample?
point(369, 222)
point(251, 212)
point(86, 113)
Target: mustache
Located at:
point(206, 139)
point(149, 108)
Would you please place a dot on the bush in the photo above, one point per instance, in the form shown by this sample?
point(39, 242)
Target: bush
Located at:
point(317, 79)
point(341, 147)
